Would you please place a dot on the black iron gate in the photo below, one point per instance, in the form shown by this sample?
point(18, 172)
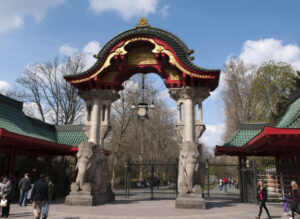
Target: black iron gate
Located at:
point(222, 181)
point(249, 184)
point(151, 180)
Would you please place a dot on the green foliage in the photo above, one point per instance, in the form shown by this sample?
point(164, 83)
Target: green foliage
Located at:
point(272, 86)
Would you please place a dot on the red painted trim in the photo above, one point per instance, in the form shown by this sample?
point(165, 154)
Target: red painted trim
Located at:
point(220, 150)
point(33, 142)
point(262, 143)
point(271, 134)
point(214, 75)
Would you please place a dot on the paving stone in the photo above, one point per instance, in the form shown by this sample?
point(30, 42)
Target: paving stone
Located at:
point(158, 209)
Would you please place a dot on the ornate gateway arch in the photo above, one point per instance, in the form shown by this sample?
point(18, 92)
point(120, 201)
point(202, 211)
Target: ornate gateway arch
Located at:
point(143, 49)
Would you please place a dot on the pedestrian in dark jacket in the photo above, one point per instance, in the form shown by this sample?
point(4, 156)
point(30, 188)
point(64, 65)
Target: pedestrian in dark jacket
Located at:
point(7, 193)
point(24, 186)
point(39, 196)
point(294, 199)
point(262, 196)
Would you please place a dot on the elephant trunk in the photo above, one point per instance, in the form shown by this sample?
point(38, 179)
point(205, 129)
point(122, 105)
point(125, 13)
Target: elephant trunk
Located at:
point(82, 170)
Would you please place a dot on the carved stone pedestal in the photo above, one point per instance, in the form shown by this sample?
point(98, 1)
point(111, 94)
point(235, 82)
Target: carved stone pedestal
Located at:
point(87, 199)
point(190, 201)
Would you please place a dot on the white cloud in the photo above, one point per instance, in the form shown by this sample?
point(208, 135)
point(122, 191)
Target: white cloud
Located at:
point(13, 12)
point(125, 8)
point(67, 50)
point(31, 109)
point(4, 86)
point(213, 136)
point(257, 52)
point(165, 11)
point(93, 47)
point(216, 94)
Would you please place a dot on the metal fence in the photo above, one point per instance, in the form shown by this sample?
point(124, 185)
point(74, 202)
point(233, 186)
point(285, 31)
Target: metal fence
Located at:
point(151, 180)
point(221, 181)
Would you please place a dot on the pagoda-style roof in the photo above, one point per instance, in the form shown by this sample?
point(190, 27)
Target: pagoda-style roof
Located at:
point(166, 47)
point(17, 128)
point(266, 138)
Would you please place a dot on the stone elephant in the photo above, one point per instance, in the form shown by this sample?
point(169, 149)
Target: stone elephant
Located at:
point(92, 169)
point(189, 180)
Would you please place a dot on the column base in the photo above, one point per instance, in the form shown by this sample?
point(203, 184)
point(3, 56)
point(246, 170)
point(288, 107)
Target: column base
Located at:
point(190, 201)
point(87, 199)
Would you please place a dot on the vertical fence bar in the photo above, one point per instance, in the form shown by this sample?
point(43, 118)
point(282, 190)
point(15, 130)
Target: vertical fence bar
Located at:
point(176, 176)
point(208, 175)
point(254, 180)
point(241, 167)
point(152, 180)
point(281, 180)
point(127, 178)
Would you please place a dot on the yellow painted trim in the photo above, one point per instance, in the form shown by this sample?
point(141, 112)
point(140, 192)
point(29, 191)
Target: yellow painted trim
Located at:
point(158, 49)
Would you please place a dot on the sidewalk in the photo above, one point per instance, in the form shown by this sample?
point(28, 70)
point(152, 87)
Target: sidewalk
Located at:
point(160, 209)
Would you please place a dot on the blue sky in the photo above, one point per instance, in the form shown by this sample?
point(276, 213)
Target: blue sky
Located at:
point(34, 31)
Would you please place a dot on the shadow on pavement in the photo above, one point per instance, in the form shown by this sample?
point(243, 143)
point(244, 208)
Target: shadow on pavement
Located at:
point(221, 203)
point(21, 215)
point(72, 218)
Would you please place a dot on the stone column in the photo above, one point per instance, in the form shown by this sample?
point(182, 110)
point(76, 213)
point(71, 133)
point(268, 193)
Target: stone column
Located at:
point(190, 129)
point(189, 121)
point(92, 182)
point(97, 119)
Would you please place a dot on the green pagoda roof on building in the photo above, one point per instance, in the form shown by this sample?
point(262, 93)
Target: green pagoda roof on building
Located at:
point(13, 120)
point(247, 132)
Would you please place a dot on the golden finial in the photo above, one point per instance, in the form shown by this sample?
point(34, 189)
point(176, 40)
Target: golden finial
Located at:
point(142, 23)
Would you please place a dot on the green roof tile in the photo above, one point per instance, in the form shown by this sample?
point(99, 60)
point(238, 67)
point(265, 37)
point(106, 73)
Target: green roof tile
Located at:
point(70, 135)
point(291, 118)
point(13, 119)
point(246, 132)
point(241, 137)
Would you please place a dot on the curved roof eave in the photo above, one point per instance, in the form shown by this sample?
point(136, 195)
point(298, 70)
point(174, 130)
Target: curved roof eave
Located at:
point(179, 47)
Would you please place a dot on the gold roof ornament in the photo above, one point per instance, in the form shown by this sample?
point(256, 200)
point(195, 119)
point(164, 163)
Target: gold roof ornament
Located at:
point(142, 23)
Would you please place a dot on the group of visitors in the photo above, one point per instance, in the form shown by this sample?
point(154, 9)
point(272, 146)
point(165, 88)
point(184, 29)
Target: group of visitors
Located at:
point(40, 194)
point(292, 199)
point(227, 182)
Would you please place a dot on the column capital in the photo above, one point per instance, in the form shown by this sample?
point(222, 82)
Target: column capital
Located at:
point(189, 93)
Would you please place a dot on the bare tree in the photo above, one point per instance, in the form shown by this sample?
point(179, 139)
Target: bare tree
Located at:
point(153, 139)
point(240, 105)
point(44, 85)
point(122, 116)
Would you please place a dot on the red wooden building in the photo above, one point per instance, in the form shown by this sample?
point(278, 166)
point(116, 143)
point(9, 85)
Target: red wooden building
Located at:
point(28, 144)
point(280, 140)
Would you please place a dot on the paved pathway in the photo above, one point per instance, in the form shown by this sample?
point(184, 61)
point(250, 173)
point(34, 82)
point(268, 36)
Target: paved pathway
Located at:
point(158, 209)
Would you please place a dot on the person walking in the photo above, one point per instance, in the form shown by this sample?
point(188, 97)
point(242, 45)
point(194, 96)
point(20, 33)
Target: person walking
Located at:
point(7, 193)
point(24, 186)
point(294, 199)
point(225, 180)
point(39, 196)
point(45, 208)
point(221, 184)
point(262, 196)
